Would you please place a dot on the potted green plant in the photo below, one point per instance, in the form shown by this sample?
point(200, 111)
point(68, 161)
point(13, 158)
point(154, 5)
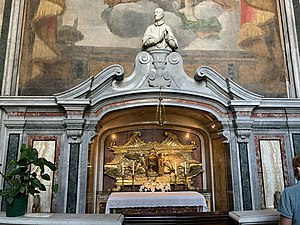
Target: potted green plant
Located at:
point(21, 180)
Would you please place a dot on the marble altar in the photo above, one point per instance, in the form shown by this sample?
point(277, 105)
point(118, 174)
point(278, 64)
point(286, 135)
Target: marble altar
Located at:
point(155, 199)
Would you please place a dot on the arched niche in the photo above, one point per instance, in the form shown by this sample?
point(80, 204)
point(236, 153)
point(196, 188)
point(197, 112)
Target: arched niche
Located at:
point(189, 125)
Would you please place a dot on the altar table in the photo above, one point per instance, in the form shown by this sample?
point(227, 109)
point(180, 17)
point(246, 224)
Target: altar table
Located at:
point(155, 199)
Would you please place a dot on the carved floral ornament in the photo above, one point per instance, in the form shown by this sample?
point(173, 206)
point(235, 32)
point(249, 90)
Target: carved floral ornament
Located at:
point(168, 161)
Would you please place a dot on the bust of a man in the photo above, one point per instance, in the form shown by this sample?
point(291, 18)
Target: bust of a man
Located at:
point(159, 35)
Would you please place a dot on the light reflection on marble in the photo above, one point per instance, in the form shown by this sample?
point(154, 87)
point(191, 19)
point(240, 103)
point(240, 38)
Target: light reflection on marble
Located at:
point(46, 150)
point(39, 215)
point(272, 169)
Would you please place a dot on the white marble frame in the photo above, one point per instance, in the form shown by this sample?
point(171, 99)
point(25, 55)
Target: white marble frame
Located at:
point(47, 150)
point(272, 171)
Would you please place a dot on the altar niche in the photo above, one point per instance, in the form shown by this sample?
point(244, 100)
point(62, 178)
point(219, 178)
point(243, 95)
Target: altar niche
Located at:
point(153, 166)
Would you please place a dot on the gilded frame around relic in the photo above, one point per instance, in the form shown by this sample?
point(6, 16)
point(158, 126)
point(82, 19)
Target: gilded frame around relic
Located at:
point(138, 162)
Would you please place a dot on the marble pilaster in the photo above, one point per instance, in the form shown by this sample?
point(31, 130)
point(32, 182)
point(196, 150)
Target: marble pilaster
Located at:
point(245, 176)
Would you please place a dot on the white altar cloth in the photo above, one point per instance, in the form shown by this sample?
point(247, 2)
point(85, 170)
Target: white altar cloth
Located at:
point(155, 199)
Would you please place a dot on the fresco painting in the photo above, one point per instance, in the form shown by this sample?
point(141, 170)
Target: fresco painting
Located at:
point(66, 41)
point(1, 14)
point(296, 6)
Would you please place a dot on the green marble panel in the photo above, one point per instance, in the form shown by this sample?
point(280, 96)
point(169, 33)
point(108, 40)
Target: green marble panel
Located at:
point(73, 177)
point(12, 153)
point(245, 176)
point(296, 143)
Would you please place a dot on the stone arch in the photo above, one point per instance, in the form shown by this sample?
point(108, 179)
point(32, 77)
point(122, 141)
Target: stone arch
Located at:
point(181, 118)
point(224, 105)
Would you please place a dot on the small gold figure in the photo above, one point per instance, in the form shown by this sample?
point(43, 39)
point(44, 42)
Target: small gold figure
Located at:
point(36, 208)
point(152, 164)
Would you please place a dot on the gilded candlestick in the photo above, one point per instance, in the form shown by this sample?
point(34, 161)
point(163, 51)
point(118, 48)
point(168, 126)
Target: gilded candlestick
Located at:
point(175, 183)
point(122, 185)
point(132, 182)
point(185, 182)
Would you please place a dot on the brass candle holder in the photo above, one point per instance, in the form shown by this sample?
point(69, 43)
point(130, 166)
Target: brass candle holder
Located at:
point(175, 183)
point(185, 182)
point(122, 185)
point(132, 182)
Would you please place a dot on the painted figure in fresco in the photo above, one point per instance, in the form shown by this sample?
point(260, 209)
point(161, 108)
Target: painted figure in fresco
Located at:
point(68, 35)
point(44, 26)
point(202, 23)
point(159, 35)
point(204, 28)
point(289, 206)
point(112, 3)
point(227, 4)
point(259, 33)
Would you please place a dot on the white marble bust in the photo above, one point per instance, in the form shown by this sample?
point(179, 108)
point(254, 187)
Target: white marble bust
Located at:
point(159, 35)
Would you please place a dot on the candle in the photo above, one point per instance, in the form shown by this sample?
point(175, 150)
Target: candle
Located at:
point(123, 171)
point(184, 167)
point(133, 168)
point(175, 167)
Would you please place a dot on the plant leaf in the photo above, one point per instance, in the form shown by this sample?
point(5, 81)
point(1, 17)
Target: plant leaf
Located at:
point(23, 189)
point(5, 193)
point(33, 155)
point(21, 180)
point(30, 190)
point(50, 165)
point(24, 151)
point(45, 176)
point(43, 187)
point(37, 184)
point(22, 162)
point(14, 191)
point(55, 188)
point(10, 200)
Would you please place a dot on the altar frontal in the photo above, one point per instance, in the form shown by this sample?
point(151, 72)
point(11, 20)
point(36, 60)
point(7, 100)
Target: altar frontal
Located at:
point(122, 200)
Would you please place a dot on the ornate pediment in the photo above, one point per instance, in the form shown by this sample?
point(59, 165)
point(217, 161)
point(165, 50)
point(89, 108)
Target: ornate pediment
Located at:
point(135, 143)
point(159, 71)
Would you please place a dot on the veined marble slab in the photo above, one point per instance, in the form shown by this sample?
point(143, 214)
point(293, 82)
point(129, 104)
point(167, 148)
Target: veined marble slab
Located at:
point(255, 216)
point(63, 219)
point(272, 170)
point(46, 149)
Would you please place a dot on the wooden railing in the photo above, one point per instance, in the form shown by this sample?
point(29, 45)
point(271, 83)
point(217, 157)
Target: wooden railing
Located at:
point(208, 218)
